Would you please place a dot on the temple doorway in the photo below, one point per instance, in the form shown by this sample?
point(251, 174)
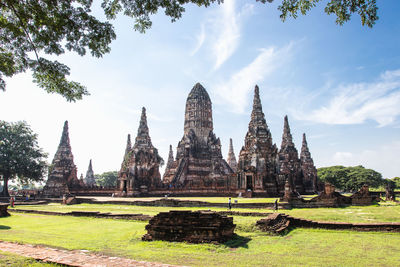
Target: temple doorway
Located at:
point(124, 189)
point(249, 182)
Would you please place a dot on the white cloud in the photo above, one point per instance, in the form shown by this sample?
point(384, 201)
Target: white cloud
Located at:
point(342, 157)
point(237, 89)
point(359, 102)
point(222, 31)
point(229, 34)
point(384, 159)
point(200, 40)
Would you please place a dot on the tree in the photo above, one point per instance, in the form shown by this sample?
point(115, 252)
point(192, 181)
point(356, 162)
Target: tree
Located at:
point(20, 156)
point(396, 181)
point(31, 28)
point(107, 179)
point(350, 178)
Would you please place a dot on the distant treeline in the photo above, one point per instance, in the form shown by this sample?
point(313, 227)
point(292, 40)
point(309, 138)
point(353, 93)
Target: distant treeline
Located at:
point(107, 179)
point(352, 178)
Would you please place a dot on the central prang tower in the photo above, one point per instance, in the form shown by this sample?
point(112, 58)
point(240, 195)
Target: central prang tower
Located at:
point(198, 113)
point(199, 163)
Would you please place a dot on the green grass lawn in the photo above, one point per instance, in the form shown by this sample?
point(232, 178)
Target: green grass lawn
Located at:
point(114, 208)
point(307, 247)
point(384, 212)
point(9, 259)
point(205, 199)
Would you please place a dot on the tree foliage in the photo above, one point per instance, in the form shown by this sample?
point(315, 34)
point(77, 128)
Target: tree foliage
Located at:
point(343, 9)
point(394, 182)
point(107, 179)
point(30, 29)
point(350, 178)
point(20, 156)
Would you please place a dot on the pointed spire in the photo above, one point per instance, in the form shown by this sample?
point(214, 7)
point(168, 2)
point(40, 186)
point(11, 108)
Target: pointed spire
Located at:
point(64, 149)
point(90, 180)
point(128, 144)
point(256, 99)
point(143, 137)
point(90, 168)
point(170, 157)
point(304, 145)
point(308, 168)
point(231, 156)
point(231, 146)
point(143, 128)
point(65, 136)
point(257, 115)
point(287, 139)
point(305, 155)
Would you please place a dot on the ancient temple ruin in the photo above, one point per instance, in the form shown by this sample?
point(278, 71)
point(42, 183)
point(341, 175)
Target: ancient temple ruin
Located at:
point(262, 169)
point(198, 167)
point(257, 165)
point(289, 163)
point(198, 163)
point(140, 167)
point(231, 159)
point(62, 171)
point(90, 180)
point(167, 174)
point(308, 168)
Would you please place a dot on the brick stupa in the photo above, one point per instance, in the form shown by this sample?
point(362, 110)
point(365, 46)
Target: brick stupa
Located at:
point(62, 172)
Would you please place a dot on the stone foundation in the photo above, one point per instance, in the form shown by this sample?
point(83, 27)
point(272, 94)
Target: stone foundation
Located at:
point(188, 226)
point(278, 223)
point(275, 223)
point(3, 210)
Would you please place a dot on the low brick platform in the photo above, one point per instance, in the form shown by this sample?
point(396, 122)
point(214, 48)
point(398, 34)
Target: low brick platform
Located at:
point(188, 226)
point(279, 222)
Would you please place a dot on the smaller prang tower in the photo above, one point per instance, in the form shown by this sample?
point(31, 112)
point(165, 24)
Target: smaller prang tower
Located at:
point(231, 159)
point(62, 171)
point(289, 162)
point(308, 168)
point(90, 180)
point(140, 167)
point(257, 159)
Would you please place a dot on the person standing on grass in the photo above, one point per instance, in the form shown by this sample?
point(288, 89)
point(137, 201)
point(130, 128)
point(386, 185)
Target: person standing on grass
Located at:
point(229, 204)
point(12, 201)
point(276, 204)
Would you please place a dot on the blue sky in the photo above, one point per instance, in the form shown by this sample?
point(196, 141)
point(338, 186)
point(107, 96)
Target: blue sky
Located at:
point(338, 84)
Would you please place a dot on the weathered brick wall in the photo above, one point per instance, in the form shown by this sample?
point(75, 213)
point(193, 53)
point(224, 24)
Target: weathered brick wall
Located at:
point(188, 226)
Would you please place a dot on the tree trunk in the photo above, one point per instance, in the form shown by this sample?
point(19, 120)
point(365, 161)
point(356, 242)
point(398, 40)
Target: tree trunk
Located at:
point(5, 193)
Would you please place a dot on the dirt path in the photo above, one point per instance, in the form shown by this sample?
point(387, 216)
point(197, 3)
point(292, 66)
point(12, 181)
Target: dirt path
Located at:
point(72, 257)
